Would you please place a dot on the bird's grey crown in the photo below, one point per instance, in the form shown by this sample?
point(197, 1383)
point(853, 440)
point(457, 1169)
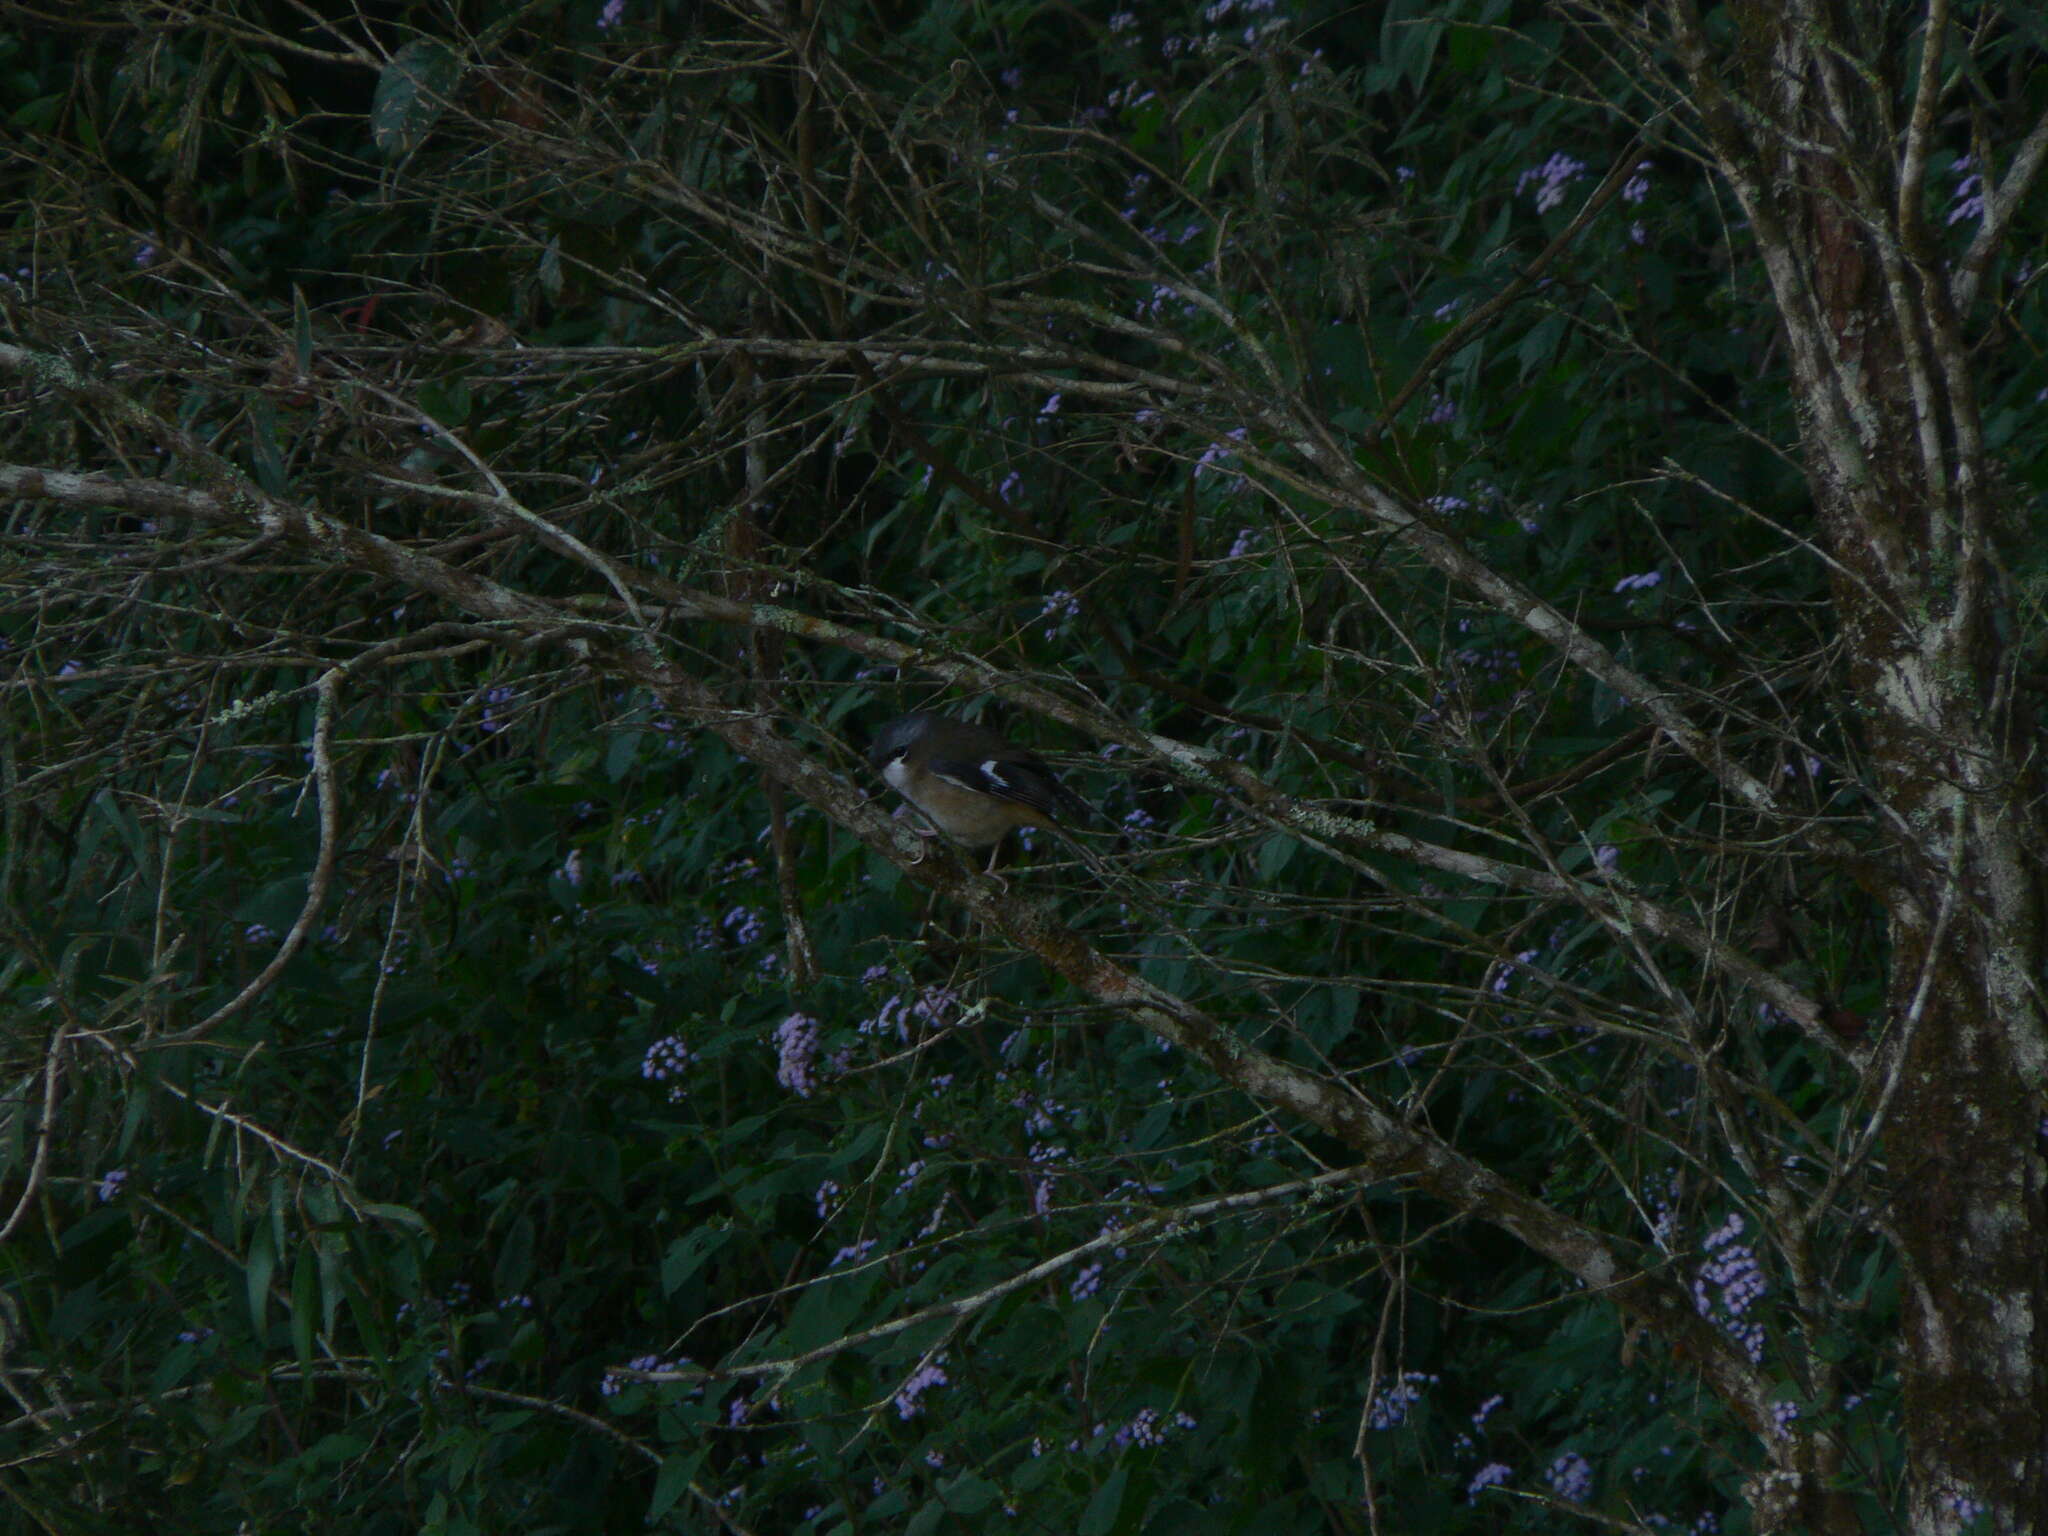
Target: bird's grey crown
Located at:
point(894, 739)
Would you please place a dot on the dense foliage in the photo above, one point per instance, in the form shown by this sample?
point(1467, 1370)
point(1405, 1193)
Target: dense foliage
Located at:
point(458, 1084)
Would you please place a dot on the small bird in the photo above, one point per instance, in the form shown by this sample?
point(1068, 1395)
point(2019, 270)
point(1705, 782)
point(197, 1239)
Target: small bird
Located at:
point(969, 782)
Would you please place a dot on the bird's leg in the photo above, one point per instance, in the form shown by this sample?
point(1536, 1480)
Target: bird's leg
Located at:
point(922, 826)
point(994, 854)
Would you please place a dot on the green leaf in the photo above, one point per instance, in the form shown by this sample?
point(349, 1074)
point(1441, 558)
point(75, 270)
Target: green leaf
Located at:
point(400, 1215)
point(302, 329)
point(264, 448)
point(686, 1255)
point(514, 1268)
point(257, 1269)
point(1275, 854)
point(968, 1494)
point(673, 1481)
point(1100, 1517)
point(412, 92)
point(305, 1306)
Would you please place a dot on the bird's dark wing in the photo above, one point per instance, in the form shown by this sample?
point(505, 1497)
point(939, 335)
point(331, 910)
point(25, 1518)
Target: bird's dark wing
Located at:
point(1016, 777)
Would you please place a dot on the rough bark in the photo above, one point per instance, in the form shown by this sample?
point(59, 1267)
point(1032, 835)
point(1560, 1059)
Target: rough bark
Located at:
point(1806, 134)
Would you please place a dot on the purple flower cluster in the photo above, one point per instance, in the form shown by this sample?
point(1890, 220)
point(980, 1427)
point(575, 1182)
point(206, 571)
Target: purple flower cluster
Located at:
point(1552, 177)
point(1571, 1477)
point(1969, 193)
point(1391, 1404)
point(1040, 1114)
point(1506, 973)
point(495, 699)
point(910, 1396)
point(852, 1253)
point(1061, 609)
point(1488, 1476)
point(796, 1045)
point(1729, 1283)
point(1221, 453)
point(931, 1008)
point(613, 1383)
point(666, 1060)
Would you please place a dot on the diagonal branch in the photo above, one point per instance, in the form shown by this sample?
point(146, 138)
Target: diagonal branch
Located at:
point(1390, 1148)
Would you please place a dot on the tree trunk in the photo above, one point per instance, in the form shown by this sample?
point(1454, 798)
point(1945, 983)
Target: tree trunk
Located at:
point(1804, 130)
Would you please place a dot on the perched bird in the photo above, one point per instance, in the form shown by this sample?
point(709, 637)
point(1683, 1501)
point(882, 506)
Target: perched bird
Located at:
point(969, 782)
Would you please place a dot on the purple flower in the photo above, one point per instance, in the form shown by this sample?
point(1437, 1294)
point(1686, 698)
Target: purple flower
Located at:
point(796, 1043)
point(1729, 1283)
point(613, 1383)
point(1062, 607)
point(910, 1396)
point(1145, 1429)
point(1220, 452)
point(931, 1009)
point(1488, 1476)
point(852, 1253)
point(1507, 972)
point(1969, 193)
point(667, 1059)
point(1390, 1406)
point(1551, 178)
point(1571, 1477)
